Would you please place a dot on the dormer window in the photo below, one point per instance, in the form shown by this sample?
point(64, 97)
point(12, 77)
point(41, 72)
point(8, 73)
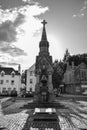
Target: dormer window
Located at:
point(13, 73)
point(2, 73)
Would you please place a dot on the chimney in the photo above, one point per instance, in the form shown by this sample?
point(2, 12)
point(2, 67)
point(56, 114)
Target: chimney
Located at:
point(19, 68)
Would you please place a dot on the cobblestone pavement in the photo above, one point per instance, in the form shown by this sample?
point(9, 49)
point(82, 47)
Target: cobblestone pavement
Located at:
point(2, 100)
point(12, 121)
point(72, 116)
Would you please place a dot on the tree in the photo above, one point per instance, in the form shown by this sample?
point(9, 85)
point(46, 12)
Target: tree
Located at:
point(59, 69)
point(77, 59)
point(66, 56)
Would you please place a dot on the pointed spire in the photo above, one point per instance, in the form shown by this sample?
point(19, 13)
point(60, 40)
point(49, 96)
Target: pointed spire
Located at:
point(44, 44)
point(44, 36)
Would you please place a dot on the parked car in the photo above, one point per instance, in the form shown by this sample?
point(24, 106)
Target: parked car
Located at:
point(29, 94)
point(5, 93)
point(13, 93)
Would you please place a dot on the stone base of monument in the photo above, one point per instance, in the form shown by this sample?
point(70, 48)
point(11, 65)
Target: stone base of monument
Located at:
point(44, 97)
point(45, 121)
point(51, 97)
point(42, 120)
point(42, 105)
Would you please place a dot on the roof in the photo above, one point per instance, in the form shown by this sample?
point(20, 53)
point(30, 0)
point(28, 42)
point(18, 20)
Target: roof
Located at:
point(8, 71)
point(31, 68)
point(82, 66)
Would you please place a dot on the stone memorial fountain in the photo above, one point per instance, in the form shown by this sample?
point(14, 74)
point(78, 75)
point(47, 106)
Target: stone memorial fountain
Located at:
point(44, 115)
point(43, 71)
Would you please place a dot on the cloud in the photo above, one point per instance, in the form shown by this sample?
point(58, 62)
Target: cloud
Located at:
point(83, 11)
point(8, 60)
point(30, 2)
point(8, 32)
point(8, 63)
point(12, 19)
point(18, 27)
point(12, 50)
point(7, 4)
point(26, 0)
point(19, 20)
point(80, 15)
point(84, 6)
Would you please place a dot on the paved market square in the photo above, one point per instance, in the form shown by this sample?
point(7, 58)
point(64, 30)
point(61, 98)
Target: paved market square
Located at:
point(72, 116)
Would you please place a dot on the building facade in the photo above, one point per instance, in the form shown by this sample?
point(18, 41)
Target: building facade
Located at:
point(75, 78)
point(10, 79)
point(30, 79)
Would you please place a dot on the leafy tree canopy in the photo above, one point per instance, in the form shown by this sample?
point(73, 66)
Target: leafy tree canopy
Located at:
point(78, 59)
point(59, 69)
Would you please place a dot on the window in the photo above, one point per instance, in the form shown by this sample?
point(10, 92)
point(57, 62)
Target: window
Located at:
point(9, 89)
point(31, 81)
point(83, 75)
point(2, 73)
point(31, 73)
point(12, 82)
point(14, 89)
point(7, 81)
point(1, 81)
point(13, 74)
point(4, 90)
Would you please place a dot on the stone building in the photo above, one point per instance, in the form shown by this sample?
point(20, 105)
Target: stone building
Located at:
point(10, 79)
point(75, 78)
point(30, 79)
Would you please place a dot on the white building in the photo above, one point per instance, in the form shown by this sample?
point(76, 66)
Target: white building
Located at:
point(30, 79)
point(10, 79)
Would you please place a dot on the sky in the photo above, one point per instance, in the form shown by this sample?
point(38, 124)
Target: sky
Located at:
point(21, 29)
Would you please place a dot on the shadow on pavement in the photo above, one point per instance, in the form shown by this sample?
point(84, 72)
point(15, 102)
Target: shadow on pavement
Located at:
point(3, 128)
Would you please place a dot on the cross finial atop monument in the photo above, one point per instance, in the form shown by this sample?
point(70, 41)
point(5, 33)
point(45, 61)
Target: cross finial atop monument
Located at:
point(44, 22)
point(44, 37)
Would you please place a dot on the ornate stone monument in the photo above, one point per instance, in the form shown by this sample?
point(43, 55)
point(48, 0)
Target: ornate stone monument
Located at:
point(44, 94)
point(43, 71)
